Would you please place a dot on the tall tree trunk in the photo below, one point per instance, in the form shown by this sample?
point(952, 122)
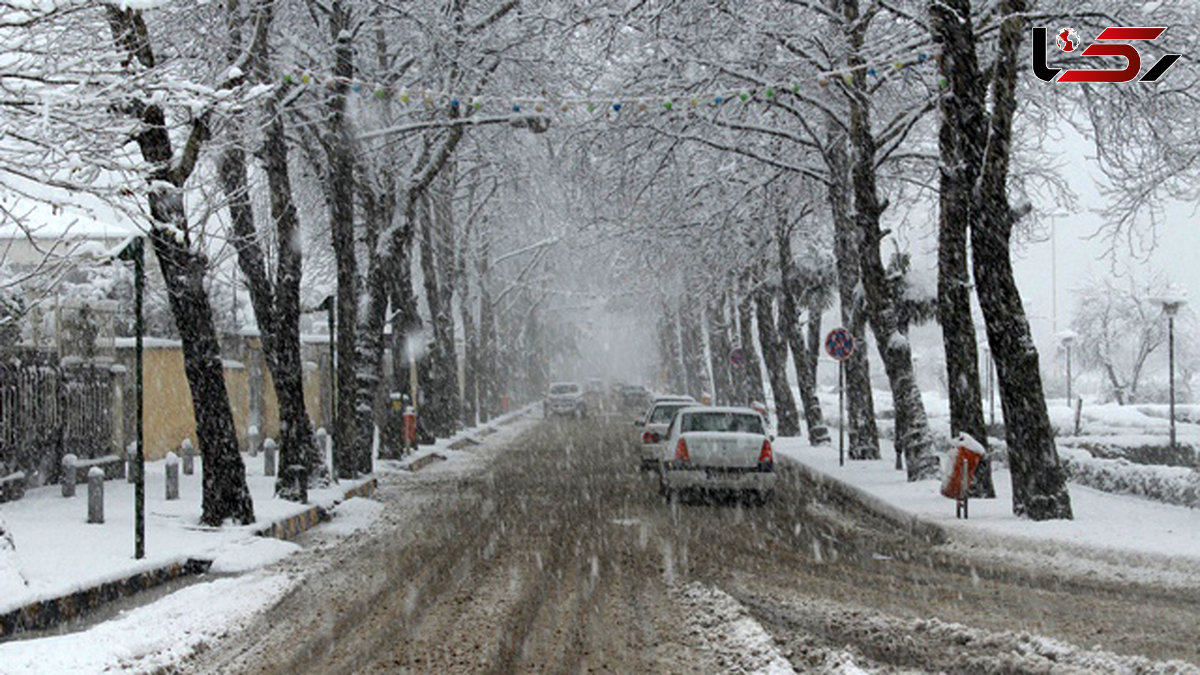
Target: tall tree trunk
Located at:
point(789, 327)
point(692, 342)
point(351, 414)
point(774, 352)
point(443, 322)
point(1039, 480)
point(860, 406)
point(470, 399)
point(488, 390)
point(437, 415)
point(670, 351)
point(718, 343)
point(960, 165)
point(912, 427)
point(225, 494)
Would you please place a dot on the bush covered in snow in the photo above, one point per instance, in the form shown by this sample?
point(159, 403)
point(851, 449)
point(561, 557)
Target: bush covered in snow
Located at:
point(1170, 484)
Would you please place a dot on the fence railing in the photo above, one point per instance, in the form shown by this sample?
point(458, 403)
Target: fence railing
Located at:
point(49, 409)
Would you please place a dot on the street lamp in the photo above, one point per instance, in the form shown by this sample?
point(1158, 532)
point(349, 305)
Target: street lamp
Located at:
point(1067, 339)
point(1171, 302)
point(134, 250)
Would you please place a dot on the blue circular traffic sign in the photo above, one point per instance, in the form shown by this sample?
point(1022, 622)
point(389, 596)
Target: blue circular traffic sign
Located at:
point(839, 344)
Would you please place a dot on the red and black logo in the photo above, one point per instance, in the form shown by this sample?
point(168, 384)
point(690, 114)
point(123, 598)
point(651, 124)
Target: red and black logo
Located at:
point(1107, 43)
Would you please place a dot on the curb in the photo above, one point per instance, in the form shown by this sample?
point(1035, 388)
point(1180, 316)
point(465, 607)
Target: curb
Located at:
point(424, 461)
point(302, 522)
point(49, 613)
point(913, 525)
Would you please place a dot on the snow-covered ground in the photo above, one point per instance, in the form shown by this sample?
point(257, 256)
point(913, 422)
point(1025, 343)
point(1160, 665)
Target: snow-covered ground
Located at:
point(1118, 527)
point(58, 552)
point(160, 635)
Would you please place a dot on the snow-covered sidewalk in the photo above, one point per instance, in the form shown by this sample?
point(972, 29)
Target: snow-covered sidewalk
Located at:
point(159, 636)
point(1110, 526)
point(57, 552)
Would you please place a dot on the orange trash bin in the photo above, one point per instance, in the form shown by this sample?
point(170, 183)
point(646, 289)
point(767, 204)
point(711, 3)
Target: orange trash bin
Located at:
point(968, 450)
point(408, 435)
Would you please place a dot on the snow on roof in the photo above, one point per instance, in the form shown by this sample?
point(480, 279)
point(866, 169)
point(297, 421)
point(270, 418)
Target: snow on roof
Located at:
point(22, 218)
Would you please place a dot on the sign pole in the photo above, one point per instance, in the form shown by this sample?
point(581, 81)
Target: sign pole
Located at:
point(840, 345)
point(841, 414)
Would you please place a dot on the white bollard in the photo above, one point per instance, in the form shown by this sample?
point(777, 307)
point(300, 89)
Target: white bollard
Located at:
point(131, 462)
point(253, 441)
point(172, 465)
point(269, 457)
point(189, 457)
point(68, 476)
point(96, 495)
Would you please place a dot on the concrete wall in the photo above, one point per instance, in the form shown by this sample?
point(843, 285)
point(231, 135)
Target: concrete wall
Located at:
point(168, 417)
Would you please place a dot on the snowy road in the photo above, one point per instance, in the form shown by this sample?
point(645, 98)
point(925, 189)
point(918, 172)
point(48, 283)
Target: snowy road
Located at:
point(557, 555)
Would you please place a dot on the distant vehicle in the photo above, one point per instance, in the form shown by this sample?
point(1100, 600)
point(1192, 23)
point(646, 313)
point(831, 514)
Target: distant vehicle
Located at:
point(635, 396)
point(594, 394)
point(654, 426)
point(564, 398)
point(718, 449)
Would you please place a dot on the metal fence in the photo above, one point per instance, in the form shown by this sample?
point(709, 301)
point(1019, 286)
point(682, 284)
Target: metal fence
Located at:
point(49, 409)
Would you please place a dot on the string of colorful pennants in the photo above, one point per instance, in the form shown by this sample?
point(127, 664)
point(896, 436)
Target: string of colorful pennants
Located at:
point(546, 102)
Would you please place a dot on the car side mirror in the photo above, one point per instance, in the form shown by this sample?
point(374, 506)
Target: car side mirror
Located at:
point(772, 437)
point(639, 423)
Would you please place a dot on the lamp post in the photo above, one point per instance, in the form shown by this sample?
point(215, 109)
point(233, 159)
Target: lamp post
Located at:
point(1171, 302)
point(1067, 339)
point(134, 250)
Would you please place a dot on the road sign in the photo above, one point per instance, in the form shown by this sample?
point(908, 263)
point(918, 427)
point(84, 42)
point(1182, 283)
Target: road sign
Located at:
point(839, 344)
point(737, 356)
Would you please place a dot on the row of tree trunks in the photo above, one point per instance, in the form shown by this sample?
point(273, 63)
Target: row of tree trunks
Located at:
point(912, 436)
point(793, 335)
point(774, 351)
point(748, 375)
point(276, 306)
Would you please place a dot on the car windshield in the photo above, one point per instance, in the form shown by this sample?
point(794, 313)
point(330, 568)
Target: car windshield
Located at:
point(723, 421)
point(663, 413)
point(564, 389)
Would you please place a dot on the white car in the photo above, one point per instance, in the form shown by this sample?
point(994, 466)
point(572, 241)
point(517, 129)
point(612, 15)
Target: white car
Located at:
point(564, 398)
point(718, 449)
point(654, 426)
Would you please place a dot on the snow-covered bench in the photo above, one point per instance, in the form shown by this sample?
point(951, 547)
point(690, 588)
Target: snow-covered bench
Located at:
point(112, 465)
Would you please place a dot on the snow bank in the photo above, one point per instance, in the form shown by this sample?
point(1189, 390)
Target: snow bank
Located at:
point(251, 554)
point(154, 638)
point(11, 582)
point(352, 515)
point(1169, 484)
